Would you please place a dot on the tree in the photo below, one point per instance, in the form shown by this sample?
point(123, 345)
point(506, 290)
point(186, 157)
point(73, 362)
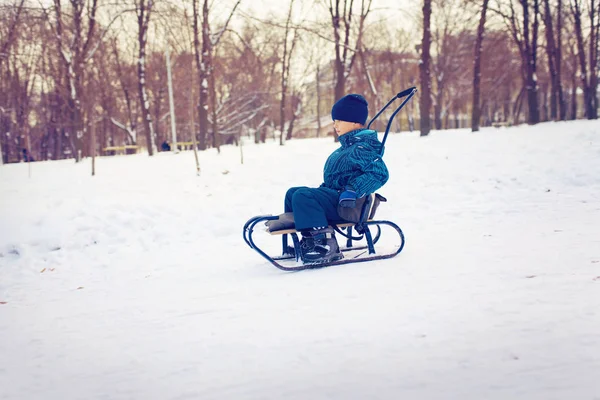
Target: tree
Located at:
point(74, 33)
point(476, 113)
point(449, 39)
point(589, 82)
point(554, 55)
point(424, 69)
point(8, 37)
point(205, 66)
point(9, 19)
point(285, 69)
point(126, 77)
point(345, 54)
point(143, 9)
point(525, 35)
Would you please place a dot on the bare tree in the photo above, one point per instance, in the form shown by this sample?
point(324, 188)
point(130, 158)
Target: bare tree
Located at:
point(74, 43)
point(594, 57)
point(143, 9)
point(8, 37)
point(296, 110)
point(285, 69)
point(525, 35)
point(530, 55)
point(476, 113)
point(562, 104)
point(205, 66)
point(424, 67)
point(130, 127)
point(345, 53)
point(202, 59)
point(10, 19)
point(589, 82)
point(554, 60)
point(449, 39)
point(570, 70)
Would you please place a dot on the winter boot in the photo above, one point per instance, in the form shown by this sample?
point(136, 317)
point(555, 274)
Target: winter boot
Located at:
point(319, 246)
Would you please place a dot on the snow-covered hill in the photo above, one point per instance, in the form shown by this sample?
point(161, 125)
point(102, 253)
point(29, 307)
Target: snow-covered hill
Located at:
point(136, 283)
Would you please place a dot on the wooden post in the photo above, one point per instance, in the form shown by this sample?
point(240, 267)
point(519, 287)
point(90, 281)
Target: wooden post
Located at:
point(93, 144)
point(241, 148)
point(193, 128)
point(29, 154)
point(171, 102)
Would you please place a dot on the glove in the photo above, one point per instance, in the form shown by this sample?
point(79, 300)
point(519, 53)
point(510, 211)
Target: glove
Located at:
point(347, 199)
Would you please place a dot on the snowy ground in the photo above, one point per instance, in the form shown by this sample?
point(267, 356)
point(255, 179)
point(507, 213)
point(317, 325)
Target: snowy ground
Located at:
point(136, 284)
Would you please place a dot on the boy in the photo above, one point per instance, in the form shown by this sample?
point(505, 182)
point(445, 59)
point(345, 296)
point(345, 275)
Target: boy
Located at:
point(352, 171)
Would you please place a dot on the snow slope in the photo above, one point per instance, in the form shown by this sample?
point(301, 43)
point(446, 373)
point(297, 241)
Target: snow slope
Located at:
point(136, 283)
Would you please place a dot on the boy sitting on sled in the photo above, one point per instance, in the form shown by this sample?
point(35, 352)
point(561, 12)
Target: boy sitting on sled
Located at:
point(351, 172)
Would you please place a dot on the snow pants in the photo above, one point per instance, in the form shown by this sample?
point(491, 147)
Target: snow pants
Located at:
point(312, 207)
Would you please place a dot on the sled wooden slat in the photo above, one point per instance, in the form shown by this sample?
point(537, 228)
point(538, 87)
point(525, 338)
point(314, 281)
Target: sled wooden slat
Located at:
point(291, 230)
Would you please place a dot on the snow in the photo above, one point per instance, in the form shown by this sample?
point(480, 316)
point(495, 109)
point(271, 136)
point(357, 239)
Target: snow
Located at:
point(136, 284)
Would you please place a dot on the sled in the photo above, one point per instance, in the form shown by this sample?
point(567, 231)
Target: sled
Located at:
point(365, 227)
point(353, 232)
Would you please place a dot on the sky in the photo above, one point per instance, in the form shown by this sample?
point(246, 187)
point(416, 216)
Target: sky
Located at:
point(399, 9)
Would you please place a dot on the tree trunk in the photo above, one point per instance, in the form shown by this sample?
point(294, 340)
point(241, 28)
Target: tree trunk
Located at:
point(58, 144)
point(92, 142)
point(216, 139)
point(531, 61)
point(574, 94)
point(157, 112)
point(424, 68)
point(4, 149)
point(561, 99)
point(476, 114)
point(576, 9)
point(544, 91)
point(296, 109)
point(593, 59)
point(437, 108)
point(201, 60)
point(339, 62)
point(553, 61)
point(518, 106)
point(143, 13)
point(340, 81)
point(285, 70)
point(5, 46)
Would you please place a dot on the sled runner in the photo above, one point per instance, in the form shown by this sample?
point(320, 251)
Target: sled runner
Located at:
point(357, 226)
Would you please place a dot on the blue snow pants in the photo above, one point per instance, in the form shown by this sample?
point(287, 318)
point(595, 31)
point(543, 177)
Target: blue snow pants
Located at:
point(312, 207)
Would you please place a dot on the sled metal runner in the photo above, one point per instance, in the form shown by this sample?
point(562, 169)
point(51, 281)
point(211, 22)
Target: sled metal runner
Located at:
point(362, 227)
point(293, 252)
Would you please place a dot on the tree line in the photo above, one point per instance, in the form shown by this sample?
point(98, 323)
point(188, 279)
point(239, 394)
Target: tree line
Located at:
point(80, 76)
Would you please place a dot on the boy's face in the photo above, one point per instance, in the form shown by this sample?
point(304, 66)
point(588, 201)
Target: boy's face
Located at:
point(343, 127)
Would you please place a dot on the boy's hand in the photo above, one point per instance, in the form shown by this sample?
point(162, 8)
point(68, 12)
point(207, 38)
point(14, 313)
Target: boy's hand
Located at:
point(347, 199)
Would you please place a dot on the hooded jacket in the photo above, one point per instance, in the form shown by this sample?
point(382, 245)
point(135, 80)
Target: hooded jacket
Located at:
point(357, 164)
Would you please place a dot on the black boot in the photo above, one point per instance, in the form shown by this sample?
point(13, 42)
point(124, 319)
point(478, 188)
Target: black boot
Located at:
point(319, 246)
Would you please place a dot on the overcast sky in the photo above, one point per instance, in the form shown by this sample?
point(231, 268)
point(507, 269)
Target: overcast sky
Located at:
point(394, 9)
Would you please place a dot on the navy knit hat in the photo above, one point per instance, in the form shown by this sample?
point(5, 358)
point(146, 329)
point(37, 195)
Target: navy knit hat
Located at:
point(351, 108)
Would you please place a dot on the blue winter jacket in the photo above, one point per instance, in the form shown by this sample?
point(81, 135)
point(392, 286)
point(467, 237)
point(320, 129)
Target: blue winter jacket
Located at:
point(357, 164)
